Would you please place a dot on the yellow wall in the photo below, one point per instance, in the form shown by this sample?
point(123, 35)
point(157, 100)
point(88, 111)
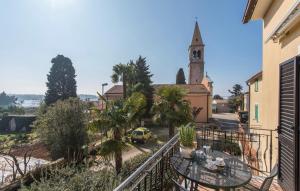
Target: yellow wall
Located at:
point(255, 98)
point(275, 53)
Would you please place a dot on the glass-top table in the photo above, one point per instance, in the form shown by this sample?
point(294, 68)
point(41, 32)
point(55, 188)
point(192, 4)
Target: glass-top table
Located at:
point(235, 173)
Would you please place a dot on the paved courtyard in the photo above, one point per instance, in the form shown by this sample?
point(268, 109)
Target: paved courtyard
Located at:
point(227, 121)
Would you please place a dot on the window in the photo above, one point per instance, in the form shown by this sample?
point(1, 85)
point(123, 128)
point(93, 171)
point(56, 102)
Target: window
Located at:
point(256, 85)
point(256, 112)
point(199, 54)
point(194, 53)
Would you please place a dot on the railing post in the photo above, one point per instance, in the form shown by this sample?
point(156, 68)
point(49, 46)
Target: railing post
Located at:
point(162, 171)
point(271, 148)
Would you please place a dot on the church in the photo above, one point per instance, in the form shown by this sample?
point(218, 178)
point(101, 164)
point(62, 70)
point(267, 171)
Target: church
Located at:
point(199, 88)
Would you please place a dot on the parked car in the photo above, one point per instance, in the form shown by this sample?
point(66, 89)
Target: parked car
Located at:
point(141, 134)
point(243, 116)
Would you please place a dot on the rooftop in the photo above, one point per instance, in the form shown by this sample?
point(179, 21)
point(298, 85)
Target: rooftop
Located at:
point(190, 88)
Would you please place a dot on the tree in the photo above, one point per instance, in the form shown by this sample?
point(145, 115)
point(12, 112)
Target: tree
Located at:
point(122, 72)
point(171, 108)
point(143, 82)
point(115, 118)
point(63, 128)
point(6, 100)
point(135, 77)
point(135, 107)
point(61, 80)
point(236, 90)
point(236, 98)
point(180, 77)
point(217, 96)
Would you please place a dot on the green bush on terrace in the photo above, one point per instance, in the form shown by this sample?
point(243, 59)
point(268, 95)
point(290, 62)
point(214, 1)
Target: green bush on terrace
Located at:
point(131, 165)
point(72, 178)
point(83, 179)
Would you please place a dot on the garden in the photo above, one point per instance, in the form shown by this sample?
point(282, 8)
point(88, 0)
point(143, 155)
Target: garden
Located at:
point(74, 144)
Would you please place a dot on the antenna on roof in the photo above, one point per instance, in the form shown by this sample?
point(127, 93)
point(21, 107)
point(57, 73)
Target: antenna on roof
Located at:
point(196, 19)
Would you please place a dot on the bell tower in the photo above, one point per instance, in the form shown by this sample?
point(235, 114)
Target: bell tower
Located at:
point(196, 57)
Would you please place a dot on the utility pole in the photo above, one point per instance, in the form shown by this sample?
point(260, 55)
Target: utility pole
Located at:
point(103, 85)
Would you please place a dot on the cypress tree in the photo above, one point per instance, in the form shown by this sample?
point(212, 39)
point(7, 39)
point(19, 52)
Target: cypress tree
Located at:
point(61, 80)
point(180, 77)
point(143, 81)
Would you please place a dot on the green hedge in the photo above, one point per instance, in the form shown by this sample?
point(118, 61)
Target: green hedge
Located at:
point(83, 179)
point(74, 178)
point(131, 165)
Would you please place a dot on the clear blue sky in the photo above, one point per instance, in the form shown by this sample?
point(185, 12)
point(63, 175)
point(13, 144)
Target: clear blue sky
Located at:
point(98, 34)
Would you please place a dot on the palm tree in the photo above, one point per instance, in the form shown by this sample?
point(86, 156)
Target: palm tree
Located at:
point(171, 108)
point(135, 106)
point(124, 73)
point(115, 118)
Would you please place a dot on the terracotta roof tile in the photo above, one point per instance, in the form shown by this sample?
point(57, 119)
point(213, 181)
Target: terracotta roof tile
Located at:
point(191, 88)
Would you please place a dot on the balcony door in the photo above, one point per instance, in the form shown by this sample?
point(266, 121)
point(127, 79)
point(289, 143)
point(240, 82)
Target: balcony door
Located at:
point(288, 129)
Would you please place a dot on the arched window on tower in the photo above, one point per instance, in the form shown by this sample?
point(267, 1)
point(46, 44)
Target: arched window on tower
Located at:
point(199, 54)
point(194, 54)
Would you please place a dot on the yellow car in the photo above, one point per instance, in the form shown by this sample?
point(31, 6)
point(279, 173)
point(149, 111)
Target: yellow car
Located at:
point(140, 134)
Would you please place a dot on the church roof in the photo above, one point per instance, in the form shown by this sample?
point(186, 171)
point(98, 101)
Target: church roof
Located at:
point(197, 39)
point(190, 88)
point(208, 78)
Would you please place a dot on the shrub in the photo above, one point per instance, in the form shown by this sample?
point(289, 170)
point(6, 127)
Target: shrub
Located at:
point(225, 145)
point(63, 128)
point(74, 178)
point(131, 165)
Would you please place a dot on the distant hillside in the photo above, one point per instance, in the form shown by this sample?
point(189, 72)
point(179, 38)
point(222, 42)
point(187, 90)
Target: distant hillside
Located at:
point(22, 97)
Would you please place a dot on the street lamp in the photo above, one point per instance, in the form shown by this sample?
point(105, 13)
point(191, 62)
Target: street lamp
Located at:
point(103, 85)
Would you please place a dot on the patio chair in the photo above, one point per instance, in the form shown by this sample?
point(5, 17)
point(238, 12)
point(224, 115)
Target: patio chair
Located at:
point(266, 184)
point(178, 186)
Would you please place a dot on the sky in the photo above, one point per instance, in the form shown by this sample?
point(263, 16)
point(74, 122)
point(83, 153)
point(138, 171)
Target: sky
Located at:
point(97, 34)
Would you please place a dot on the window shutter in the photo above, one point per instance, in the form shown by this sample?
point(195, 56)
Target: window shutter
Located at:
point(288, 128)
point(256, 112)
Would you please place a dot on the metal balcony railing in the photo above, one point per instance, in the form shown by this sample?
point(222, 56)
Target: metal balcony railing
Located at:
point(152, 174)
point(256, 147)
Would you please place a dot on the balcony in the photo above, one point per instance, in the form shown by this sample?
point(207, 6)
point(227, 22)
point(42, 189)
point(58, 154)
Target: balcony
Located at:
point(255, 147)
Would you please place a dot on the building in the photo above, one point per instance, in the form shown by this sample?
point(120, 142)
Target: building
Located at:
point(17, 123)
point(199, 88)
point(255, 100)
point(246, 101)
point(220, 106)
point(280, 95)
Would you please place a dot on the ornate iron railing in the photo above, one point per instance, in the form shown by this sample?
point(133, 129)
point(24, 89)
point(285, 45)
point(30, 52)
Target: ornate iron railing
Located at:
point(152, 174)
point(256, 147)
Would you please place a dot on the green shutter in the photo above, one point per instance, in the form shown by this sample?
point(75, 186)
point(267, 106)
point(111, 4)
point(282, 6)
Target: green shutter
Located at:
point(256, 85)
point(256, 112)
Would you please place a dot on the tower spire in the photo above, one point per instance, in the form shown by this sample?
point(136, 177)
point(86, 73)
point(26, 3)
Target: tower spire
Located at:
point(196, 56)
point(197, 39)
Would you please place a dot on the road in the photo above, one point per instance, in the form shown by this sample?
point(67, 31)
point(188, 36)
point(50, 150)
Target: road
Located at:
point(227, 121)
